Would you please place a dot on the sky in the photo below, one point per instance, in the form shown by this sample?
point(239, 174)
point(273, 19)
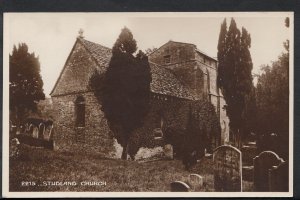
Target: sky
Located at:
point(52, 35)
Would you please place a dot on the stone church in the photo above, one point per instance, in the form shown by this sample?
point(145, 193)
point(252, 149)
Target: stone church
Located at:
point(180, 72)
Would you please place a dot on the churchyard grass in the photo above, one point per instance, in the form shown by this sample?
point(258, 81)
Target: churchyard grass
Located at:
point(39, 165)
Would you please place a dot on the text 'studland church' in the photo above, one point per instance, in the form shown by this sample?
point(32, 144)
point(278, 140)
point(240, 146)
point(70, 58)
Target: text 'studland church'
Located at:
point(180, 73)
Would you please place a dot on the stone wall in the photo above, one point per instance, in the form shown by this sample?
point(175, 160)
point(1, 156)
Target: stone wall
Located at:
point(95, 136)
point(76, 73)
point(178, 52)
point(196, 71)
point(183, 65)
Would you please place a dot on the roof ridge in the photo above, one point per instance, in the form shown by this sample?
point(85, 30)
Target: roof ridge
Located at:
point(204, 53)
point(182, 42)
point(85, 40)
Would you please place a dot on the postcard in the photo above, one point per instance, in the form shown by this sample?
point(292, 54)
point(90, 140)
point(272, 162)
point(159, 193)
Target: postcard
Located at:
point(158, 104)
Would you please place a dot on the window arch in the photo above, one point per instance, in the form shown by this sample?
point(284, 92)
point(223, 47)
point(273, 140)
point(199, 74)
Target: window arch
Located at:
point(159, 122)
point(80, 112)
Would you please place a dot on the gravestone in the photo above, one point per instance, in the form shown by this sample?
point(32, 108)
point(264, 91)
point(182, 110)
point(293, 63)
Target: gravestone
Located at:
point(41, 131)
point(279, 177)
point(179, 186)
point(47, 133)
point(35, 132)
point(29, 130)
point(196, 181)
point(168, 151)
point(227, 169)
point(262, 163)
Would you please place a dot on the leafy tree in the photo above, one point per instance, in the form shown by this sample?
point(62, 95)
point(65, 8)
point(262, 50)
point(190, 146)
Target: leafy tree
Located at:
point(273, 102)
point(272, 94)
point(25, 83)
point(235, 79)
point(124, 89)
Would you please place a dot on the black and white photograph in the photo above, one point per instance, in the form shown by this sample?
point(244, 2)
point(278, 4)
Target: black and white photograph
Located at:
point(113, 104)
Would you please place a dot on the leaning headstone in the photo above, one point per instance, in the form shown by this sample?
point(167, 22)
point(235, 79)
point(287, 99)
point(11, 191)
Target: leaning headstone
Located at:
point(279, 178)
point(179, 186)
point(262, 163)
point(227, 169)
point(168, 150)
point(196, 181)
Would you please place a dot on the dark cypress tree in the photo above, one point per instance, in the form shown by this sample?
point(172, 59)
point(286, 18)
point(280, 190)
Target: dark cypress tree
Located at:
point(124, 89)
point(246, 86)
point(235, 77)
point(25, 83)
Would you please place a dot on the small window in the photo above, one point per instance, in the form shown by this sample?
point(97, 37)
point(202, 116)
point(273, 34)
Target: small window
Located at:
point(80, 112)
point(167, 59)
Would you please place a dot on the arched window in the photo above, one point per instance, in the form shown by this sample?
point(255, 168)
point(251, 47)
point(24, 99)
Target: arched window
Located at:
point(80, 112)
point(159, 122)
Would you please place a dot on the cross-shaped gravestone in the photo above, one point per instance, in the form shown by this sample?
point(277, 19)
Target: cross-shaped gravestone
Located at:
point(179, 186)
point(196, 181)
point(262, 163)
point(227, 169)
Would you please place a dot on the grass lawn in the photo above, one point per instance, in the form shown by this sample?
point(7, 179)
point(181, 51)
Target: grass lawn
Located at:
point(40, 165)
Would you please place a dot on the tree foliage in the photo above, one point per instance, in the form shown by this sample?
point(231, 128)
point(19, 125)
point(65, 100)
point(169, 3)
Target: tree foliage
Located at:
point(150, 50)
point(25, 82)
point(124, 88)
point(234, 73)
point(272, 96)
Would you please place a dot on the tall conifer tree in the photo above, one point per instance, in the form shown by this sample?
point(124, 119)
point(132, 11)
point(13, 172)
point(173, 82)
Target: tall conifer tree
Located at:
point(124, 89)
point(235, 79)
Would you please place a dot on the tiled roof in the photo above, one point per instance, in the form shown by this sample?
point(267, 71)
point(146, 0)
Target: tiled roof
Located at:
point(101, 53)
point(163, 80)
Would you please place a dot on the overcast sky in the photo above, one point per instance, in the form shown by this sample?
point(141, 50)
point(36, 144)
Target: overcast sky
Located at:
point(52, 35)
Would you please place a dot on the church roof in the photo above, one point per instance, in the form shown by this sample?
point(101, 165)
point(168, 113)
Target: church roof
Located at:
point(163, 80)
point(101, 53)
